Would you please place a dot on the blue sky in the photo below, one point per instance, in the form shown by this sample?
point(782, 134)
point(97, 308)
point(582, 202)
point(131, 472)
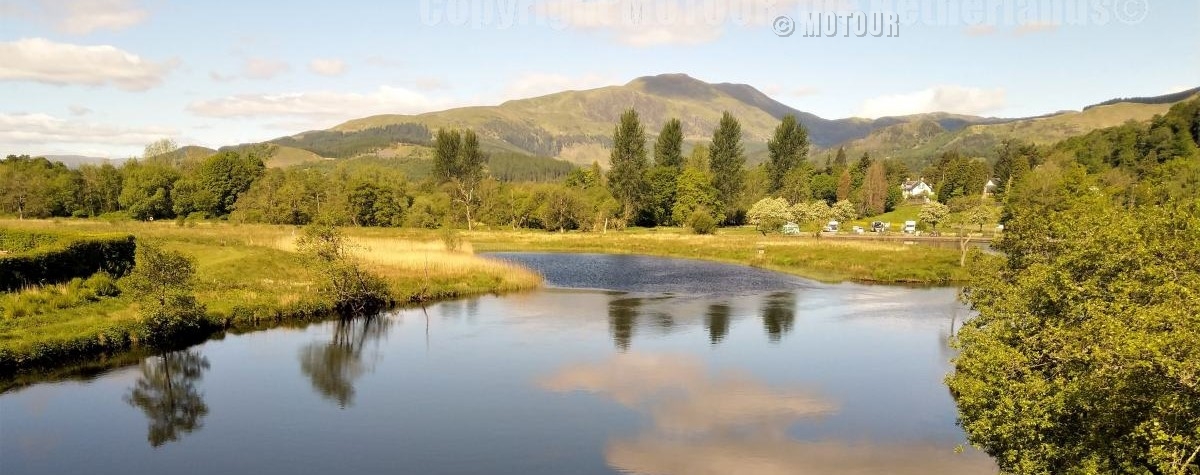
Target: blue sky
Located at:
point(104, 77)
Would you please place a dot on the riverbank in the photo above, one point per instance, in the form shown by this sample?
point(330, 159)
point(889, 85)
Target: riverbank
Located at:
point(822, 259)
point(248, 278)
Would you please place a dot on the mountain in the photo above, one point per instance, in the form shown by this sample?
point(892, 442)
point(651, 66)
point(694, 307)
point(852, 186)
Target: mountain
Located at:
point(75, 161)
point(914, 142)
point(577, 125)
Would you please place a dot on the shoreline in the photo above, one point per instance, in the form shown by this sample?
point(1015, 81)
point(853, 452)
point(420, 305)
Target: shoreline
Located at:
point(250, 284)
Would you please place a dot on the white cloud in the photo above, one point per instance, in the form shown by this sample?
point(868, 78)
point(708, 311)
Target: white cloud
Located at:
point(956, 99)
point(262, 68)
point(430, 84)
point(540, 84)
point(322, 105)
point(80, 17)
point(218, 77)
point(78, 110)
point(327, 67)
point(42, 60)
point(43, 131)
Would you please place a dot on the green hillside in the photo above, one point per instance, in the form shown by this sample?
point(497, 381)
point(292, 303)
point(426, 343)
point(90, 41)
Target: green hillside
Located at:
point(577, 125)
point(915, 142)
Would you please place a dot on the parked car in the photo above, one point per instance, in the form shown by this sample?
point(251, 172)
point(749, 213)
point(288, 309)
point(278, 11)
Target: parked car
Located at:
point(858, 230)
point(832, 227)
point(879, 227)
point(910, 227)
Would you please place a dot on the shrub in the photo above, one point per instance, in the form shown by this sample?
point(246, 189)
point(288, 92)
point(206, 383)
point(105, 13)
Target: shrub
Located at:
point(103, 285)
point(179, 319)
point(64, 259)
point(701, 222)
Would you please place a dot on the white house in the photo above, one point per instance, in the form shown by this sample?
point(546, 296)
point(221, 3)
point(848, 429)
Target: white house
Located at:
point(916, 189)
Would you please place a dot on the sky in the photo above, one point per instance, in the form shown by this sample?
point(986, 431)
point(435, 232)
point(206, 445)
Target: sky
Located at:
point(105, 77)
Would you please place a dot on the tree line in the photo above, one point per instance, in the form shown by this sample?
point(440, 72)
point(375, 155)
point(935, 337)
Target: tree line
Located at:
point(455, 182)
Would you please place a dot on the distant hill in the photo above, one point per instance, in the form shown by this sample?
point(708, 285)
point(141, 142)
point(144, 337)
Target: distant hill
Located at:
point(577, 125)
point(916, 141)
point(75, 161)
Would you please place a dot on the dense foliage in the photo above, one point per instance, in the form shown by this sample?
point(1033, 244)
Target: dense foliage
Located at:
point(1085, 355)
point(46, 259)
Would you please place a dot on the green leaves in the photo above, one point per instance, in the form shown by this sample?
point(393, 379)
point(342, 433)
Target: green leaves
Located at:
point(788, 149)
point(1084, 356)
point(628, 164)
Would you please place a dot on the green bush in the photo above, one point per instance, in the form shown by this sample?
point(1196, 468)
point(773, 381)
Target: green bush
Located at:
point(702, 223)
point(103, 285)
point(64, 259)
point(181, 319)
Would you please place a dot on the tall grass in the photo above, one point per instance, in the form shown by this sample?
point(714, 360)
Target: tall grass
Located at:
point(247, 276)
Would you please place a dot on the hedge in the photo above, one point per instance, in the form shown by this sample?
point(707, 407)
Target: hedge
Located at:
point(64, 259)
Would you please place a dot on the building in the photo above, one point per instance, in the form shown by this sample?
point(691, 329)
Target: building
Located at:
point(916, 189)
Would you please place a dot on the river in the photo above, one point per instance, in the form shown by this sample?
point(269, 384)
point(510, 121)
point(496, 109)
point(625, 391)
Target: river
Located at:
point(623, 364)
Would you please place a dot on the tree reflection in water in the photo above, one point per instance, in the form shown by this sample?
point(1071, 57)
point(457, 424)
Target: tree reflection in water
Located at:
point(779, 314)
point(716, 321)
point(622, 318)
point(166, 393)
point(333, 367)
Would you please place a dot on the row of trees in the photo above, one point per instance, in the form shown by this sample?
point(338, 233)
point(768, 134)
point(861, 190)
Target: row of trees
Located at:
point(648, 184)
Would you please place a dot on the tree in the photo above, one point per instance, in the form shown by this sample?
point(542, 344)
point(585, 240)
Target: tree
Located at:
point(844, 211)
point(162, 283)
point(1013, 159)
point(841, 161)
point(160, 149)
point(797, 184)
point(875, 190)
point(844, 185)
point(627, 175)
point(660, 199)
point(769, 215)
point(1084, 354)
point(788, 149)
point(817, 212)
point(694, 191)
point(563, 209)
point(353, 289)
point(727, 161)
point(668, 150)
point(933, 213)
point(459, 162)
point(146, 190)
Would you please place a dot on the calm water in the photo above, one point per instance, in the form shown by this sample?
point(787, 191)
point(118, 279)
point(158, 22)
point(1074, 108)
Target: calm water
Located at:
point(626, 365)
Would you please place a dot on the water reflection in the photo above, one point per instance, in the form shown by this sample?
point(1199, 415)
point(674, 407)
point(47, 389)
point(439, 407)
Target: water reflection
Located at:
point(622, 318)
point(778, 314)
point(716, 321)
point(166, 393)
point(716, 313)
point(733, 423)
point(334, 366)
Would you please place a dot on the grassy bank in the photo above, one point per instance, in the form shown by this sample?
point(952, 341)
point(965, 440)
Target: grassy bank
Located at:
point(248, 277)
point(826, 260)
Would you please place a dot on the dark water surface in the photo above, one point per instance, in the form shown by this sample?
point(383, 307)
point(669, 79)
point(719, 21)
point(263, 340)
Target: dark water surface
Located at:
point(659, 367)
